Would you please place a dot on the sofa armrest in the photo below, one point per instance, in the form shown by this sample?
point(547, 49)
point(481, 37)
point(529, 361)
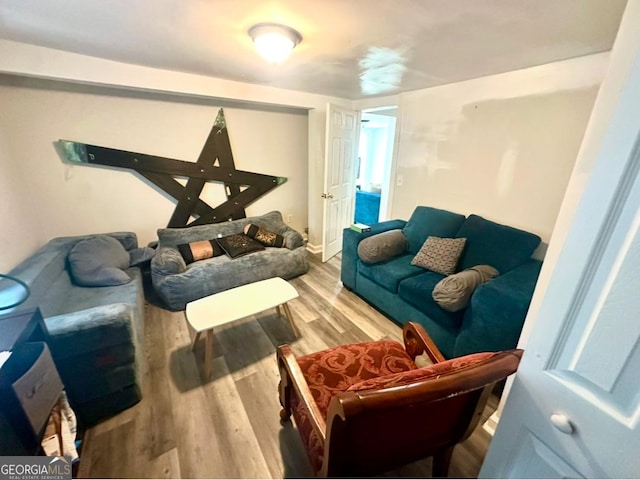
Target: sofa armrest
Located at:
point(167, 261)
point(494, 318)
point(291, 377)
point(350, 241)
point(293, 238)
point(76, 333)
point(129, 240)
point(417, 341)
point(274, 222)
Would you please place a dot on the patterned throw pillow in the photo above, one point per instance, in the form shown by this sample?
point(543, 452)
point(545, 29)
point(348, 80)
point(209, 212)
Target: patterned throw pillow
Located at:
point(265, 237)
point(194, 251)
point(239, 244)
point(440, 255)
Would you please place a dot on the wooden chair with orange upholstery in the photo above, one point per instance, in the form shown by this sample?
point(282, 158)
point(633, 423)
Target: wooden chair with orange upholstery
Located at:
point(366, 408)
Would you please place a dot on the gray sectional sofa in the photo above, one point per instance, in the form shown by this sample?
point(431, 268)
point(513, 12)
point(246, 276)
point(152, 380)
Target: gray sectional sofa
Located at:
point(95, 333)
point(177, 283)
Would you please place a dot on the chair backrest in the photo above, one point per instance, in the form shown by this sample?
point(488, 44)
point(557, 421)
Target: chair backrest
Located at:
point(371, 431)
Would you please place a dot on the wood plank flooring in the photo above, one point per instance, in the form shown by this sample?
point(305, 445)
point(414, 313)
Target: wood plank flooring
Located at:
point(228, 426)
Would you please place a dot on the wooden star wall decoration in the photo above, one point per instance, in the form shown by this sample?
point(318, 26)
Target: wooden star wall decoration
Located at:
point(215, 163)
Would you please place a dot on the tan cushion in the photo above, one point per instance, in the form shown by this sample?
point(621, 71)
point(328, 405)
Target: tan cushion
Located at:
point(440, 255)
point(194, 251)
point(382, 247)
point(453, 293)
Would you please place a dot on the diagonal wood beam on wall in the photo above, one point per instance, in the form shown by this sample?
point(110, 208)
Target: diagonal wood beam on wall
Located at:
point(215, 163)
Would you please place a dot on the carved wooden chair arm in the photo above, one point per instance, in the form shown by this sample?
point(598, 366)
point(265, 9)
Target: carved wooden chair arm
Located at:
point(417, 341)
point(287, 362)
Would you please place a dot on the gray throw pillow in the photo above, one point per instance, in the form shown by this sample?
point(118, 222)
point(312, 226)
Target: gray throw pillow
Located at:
point(99, 262)
point(453, 293)
point(382, 247)
point(440, 255)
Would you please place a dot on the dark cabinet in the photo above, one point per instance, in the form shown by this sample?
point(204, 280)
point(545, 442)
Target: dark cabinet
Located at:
point(29, 383)
point(29, 388)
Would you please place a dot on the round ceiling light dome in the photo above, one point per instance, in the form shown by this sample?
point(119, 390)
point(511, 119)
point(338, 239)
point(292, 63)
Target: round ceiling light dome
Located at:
point(273, 41)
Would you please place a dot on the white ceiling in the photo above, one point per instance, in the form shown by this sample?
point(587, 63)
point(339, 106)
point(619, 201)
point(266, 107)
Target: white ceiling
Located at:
point(350, 48)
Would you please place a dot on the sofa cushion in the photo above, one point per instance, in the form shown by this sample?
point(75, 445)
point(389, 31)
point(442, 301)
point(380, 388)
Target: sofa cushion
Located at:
point(64, 297)
point(440, 255)
point(99, 262)
point(417, 292)
point(389, 274)
point(382, 247)
point(429, 372)
point(490, 243)
point(332, 371)
point(428, 221)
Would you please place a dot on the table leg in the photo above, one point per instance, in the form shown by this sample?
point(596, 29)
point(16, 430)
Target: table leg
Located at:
point(196, 337)
point(287, 312)
point(208, 353)
point(279, 311)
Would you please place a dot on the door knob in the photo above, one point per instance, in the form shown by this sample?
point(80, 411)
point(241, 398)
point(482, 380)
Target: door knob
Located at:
point(562, 423)
point(327, 195)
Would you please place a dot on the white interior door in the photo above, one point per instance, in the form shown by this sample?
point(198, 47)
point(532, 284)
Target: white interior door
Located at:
point(339, 176)
point(574, 406)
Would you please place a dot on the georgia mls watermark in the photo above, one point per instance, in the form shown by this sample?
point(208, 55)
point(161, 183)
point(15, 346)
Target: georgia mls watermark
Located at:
point(35, 468)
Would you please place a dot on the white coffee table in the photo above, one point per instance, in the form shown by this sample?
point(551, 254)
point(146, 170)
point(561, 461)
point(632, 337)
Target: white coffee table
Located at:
point(205, 314)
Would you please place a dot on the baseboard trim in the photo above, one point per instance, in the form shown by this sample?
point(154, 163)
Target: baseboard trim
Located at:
point(492, 422)
point(315, 249)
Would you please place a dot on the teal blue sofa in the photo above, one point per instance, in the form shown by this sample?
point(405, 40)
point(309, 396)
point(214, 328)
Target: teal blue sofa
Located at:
point(95, 334)
point(494, 316)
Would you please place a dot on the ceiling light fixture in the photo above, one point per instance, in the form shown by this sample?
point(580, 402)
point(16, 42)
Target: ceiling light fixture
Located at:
point(273, 41)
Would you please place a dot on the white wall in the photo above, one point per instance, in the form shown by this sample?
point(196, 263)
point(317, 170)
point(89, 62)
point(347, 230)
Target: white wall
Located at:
point(604, 133)
point(501, 146)
point(39, 62)
point(70, 199)
point(508, 159)
point(317, 131)
point(21, 231)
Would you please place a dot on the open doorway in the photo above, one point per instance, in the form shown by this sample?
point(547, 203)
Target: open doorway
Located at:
point(373, 171)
